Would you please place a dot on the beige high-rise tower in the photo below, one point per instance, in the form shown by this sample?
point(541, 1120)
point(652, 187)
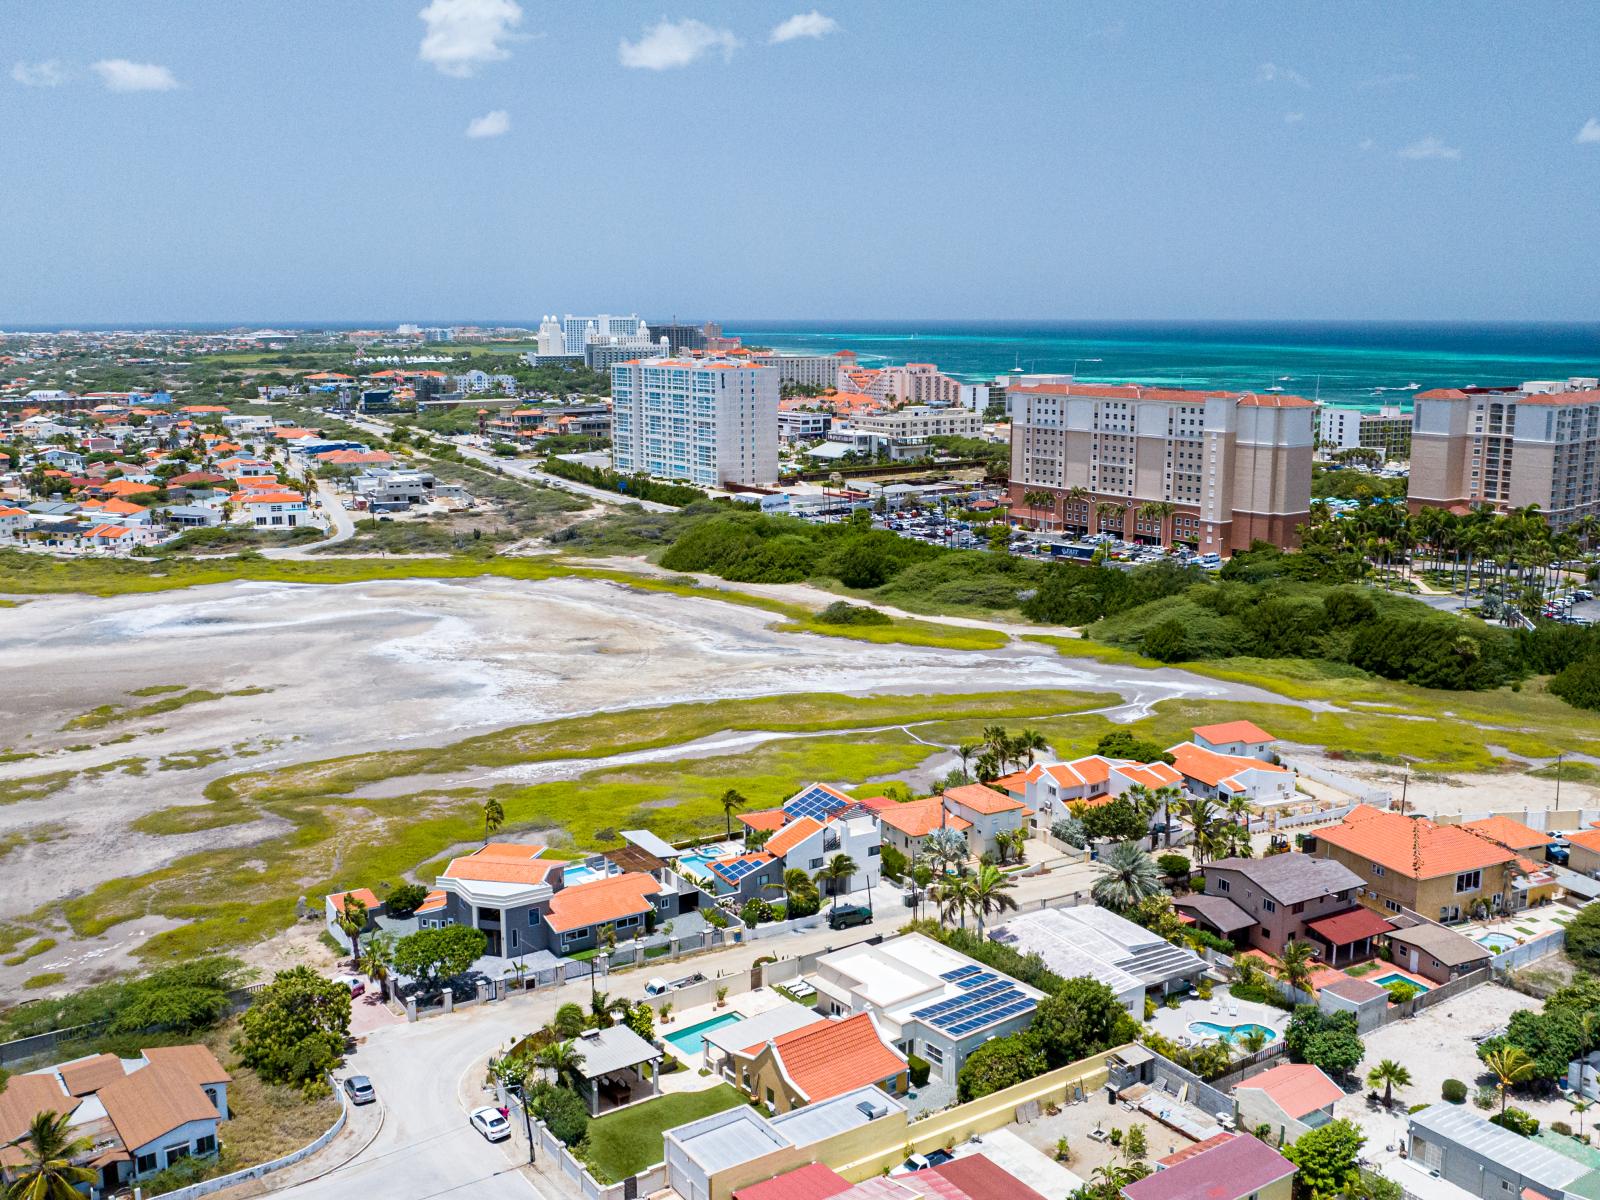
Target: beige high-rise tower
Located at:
point(1234, 467)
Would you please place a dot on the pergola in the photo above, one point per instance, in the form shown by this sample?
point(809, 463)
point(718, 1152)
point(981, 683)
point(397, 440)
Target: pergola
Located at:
point(618, 1068)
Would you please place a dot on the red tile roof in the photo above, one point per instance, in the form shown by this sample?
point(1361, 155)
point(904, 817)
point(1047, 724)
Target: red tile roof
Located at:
point(1513, 835)
point(1226, 1171)
point(981, 799)
point(833, 1057)
point(791, 835)
point(1343, 928)
point(1233, 731)
point(1215, 1139)
point(981, 1178)
point(814, 1181)
point(1413, 846)
point(362, 894)
point(918, 818)
point(1300, 1089)
point(767, 818)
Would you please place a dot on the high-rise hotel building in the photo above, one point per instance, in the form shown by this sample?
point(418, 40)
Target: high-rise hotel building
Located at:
point(1508, 448)
point(1235, 467)
point(708, 422)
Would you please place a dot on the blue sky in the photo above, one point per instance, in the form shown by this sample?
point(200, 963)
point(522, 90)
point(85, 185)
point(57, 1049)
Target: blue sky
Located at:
point(305, 161)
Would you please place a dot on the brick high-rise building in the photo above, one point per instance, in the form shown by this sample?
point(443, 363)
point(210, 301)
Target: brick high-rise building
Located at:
point(1236, 467)
point(1508, 448)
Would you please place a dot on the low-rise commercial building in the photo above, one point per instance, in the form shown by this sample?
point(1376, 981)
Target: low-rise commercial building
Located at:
point(1091, 941)
point(1490, 1162)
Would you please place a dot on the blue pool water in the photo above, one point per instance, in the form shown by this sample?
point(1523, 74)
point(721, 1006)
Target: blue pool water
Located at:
point(1393, 977)
point(695, 861)
point(576, 873)
point(688, 1041)
point(1227, 1033)
point(1496, 941)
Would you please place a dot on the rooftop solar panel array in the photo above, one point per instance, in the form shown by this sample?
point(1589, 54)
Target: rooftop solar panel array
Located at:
point(985, 1000)
point(737, 869)
point(816, 802)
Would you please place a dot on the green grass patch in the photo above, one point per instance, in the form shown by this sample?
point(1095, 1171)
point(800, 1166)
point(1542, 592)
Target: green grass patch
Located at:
point(1081, 647)
point(158, 689)
point(116, 714)
point(43, 980)
point(1569, 772)
point(33, 787)
point(191, 759)
point(1360, 969)
point(11, 756)
point(625, 1143)
point(42, 946)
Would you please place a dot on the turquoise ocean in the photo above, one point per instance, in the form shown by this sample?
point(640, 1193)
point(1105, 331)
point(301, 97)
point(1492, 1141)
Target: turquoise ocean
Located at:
point(1357, 365)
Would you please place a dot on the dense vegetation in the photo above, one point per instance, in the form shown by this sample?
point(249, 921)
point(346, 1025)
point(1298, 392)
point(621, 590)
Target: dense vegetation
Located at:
point(638, 486)
point(1349, 483)
point(184, 999)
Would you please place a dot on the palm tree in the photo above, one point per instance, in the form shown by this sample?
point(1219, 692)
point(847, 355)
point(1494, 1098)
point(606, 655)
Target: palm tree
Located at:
point(1510, 1065)
point(352, 922)
point(562, 1060)
point(989, 894)
point(494, 816)
point(1128, 877)
point(1200, 812)
point(1388, 1075)
point(947, 847)
point(47, 1172)
point(377, 958)
point(797, 889)
point(1143, 801)
point(1579, 1107)
point(953, 895)
point(1253, 1039)
point(1294, 964)
point(836, 874)
point(604, 1010)
point(1029, 742)
point(732, 802)
point(1171, 799)
point(1158, 511)
point(965, 751)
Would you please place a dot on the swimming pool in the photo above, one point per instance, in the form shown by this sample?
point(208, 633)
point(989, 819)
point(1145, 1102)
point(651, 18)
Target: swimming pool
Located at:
point(694, 862)
point(1396, 977)
point(1228, 1033)
point(690, 1039)
point(1496, 941)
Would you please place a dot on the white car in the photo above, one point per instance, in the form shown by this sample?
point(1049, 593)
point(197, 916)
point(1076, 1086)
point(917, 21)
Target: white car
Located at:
point(493, 1126)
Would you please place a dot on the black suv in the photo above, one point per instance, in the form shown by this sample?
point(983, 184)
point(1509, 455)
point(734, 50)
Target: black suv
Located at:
point(854, 914)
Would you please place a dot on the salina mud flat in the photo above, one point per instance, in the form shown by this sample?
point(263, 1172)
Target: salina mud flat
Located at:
point(308, 672)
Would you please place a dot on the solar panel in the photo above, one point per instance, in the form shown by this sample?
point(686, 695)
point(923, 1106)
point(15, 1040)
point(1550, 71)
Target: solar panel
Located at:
point(959, 973)
point(974, 1011)
point(973, 981)
point(815, 802)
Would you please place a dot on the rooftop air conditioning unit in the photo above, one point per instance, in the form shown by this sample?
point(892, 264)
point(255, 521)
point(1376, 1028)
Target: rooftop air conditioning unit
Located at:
point(872, 1109)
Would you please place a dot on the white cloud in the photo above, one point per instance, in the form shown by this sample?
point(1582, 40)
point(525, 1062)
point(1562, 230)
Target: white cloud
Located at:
point(1293, 118)
point(803, 25)
point(1429, 147)
point(48, 73)
point(1589, 135)
point(462, 35)
point(491, 124)
point(1273, 73)
point(669, 44)
point(121, 75)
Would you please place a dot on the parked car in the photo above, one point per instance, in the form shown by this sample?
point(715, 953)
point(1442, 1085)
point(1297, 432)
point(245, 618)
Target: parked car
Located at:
point(359, 1089)
point(849, 915)
point(491, 1122)
point(354, 982)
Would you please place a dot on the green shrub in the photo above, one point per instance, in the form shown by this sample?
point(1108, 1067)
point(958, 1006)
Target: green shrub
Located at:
point(404, 899)
point(841, 613)
point(1454, 1091)
point(918, 1069)
point(1517, 1121)
point(565, 1114)
point(1561, 1127)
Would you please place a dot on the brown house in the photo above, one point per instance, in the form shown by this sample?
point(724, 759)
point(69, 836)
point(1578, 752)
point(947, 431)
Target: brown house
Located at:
point(1288, 897)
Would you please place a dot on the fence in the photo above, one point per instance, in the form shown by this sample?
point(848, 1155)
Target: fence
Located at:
point(1363, 793)
point(1209, 1098)
point(1521, 956)
point(651, 1179)
point(206, 1186)
point(39, 1045)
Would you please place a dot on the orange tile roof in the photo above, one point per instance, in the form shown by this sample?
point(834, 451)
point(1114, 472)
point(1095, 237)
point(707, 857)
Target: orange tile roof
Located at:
point(767, 818)
point(498, 863)
point(195, 1061)
point(833, 1057)
point(603, 900)
point(154, 1101)
point(1017, 781)
point(981, 799)
point(121, 508)
point(1212, 768)
point(1513, 835)
point(510, 851)
point(362, 894)
point(1589, 839)
point(109, 531)
point(1151, 775)
point(1413, 846)
point(25, 1097)
point(91, 1074)
point(791, 835)
point(432, 901)
point(1233, 731)
point(1300, 1089)
point(1091, 771)
point(125, 487)
point(918, 818)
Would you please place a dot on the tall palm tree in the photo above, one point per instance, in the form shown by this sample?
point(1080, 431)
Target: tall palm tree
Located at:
point(797, 889)
point(1579, 1107)
point(604, 1010)
point(1143, 802)
point(47, 1171)
point(377, 959)
point(1029, 742)
point(562, 1060)
point(732, 802)
point(835, 873)
point(1171, 799)
point(1388, 1075)
point(1128, 877)
point(989, 894)
point(953, 895)
point(1158, 511)
point(1510, 1065)
point(965, 751)
point(1200, 812)
point(1294, 964)
point(494, 817)
point(352, 922)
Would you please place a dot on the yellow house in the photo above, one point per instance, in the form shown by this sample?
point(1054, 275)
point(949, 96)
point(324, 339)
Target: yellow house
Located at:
point(1443, 872)
point(823, 1060)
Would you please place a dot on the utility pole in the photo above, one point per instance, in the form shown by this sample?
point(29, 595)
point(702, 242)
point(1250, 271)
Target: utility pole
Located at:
point(527, 1118)
point(1560, 754)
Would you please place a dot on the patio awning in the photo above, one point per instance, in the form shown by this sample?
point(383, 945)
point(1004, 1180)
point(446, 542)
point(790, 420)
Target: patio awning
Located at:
point(650, 843)
point(1350, 926)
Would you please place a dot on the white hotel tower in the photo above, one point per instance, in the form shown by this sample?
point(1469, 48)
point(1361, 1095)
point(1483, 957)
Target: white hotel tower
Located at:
point(706, 421)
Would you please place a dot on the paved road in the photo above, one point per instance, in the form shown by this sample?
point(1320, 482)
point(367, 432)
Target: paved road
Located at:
point(430, 1075)
point(344, 527)
point(520, 469)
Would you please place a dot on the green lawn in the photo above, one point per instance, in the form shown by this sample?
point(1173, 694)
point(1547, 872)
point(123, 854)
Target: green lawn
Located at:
point(627, 1142)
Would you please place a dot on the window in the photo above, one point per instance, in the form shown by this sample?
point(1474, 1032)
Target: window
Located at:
point(933, 1054)
point(1268, 906)
point(874, 851)
point(1299, 908)
point(145, 1162)
point(1377, 870)
point(176, 1153)
point(513, 939)
point(815, 863)
point(1391, 905)
point(1222, 885)
point(1469, 881)
point(206, 1145)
